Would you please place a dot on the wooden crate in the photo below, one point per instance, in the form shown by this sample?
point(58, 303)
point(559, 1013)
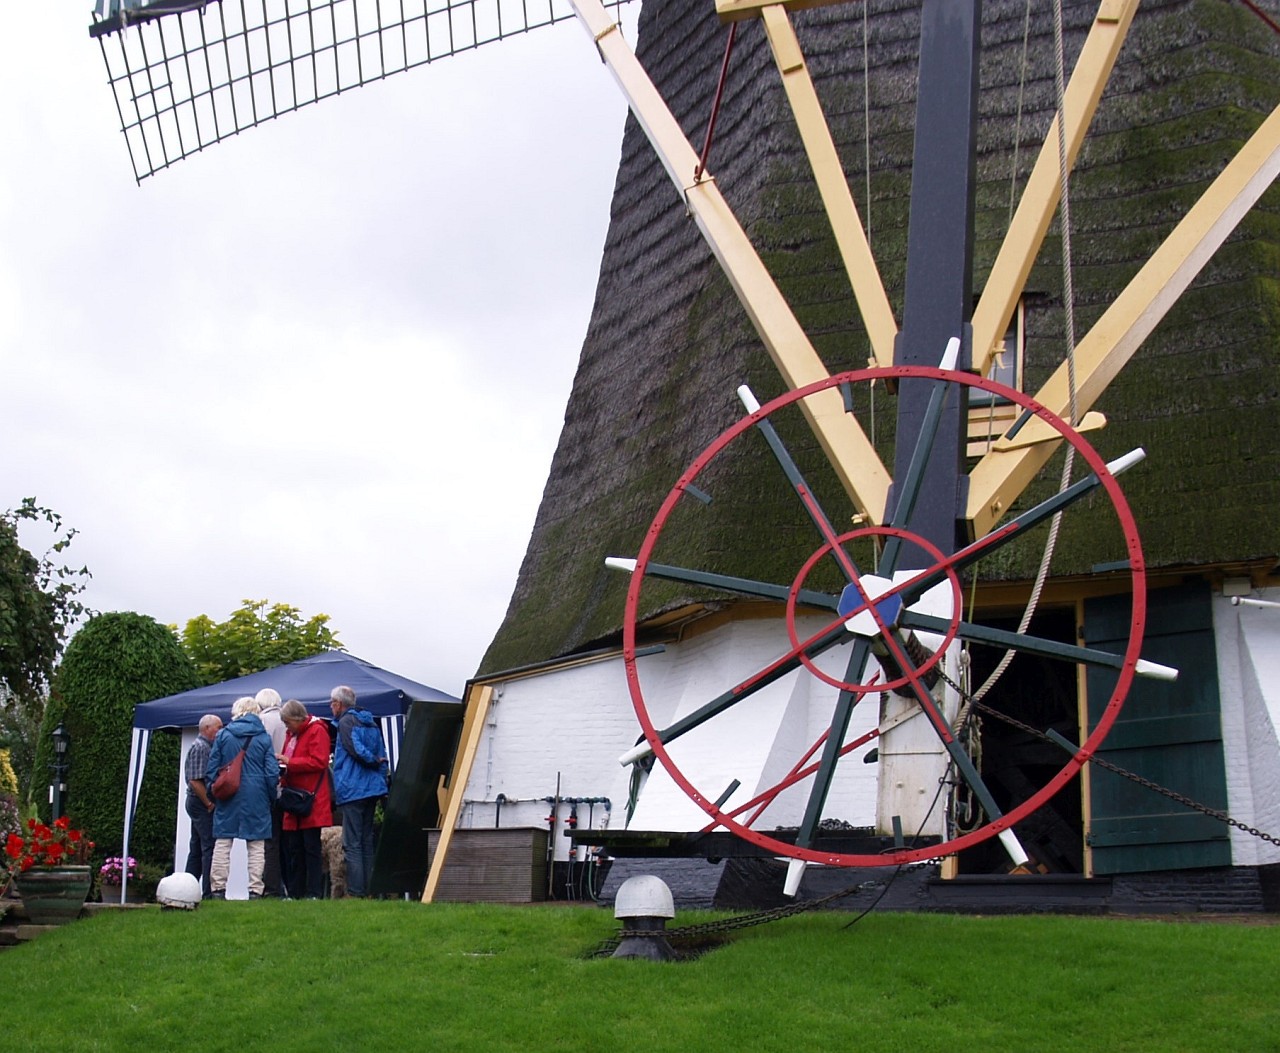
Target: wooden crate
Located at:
point(493, 866)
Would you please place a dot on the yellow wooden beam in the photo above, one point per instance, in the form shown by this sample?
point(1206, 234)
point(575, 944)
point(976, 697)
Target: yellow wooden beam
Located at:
point(851, 238)
point(1003, 473)
point(851, 454)
point(1083, 730)
point(1044, 187)
point(736, 10)
point(472, 726)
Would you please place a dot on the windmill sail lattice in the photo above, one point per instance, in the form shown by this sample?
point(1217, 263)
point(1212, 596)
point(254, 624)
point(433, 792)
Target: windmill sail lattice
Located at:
point(189, 73)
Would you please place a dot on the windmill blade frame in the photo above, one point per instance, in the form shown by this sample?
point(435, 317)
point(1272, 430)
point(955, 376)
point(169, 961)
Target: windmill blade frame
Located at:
point(187, 74)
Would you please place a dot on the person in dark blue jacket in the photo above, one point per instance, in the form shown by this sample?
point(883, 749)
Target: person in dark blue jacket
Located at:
point(247, 813)
point(359, 782)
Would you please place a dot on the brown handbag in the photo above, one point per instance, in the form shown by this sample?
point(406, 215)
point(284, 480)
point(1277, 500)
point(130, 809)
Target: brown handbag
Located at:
point(228, 779)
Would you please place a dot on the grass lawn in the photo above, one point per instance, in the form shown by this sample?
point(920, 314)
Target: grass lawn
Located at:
point(311, 976)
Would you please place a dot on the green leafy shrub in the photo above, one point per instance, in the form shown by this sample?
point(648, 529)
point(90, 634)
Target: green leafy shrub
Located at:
point(255, 637)
point(114, 662)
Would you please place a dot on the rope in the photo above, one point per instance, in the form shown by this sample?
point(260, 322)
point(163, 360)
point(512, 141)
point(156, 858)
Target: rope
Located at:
point(1064, 209)
point(1068, 299)
point(866, 116)
point(1013, 174)
point(866, 167)
point(1017, 127)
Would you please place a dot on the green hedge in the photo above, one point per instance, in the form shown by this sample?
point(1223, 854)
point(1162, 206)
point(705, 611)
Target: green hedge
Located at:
point(114, 662)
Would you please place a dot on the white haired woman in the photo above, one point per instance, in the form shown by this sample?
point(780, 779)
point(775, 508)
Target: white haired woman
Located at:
point(273, 869)
point(246, 815)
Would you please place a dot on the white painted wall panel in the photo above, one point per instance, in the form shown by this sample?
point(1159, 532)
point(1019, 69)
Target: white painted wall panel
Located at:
point(567, 725)
point(1248, 645)
point(573, 723)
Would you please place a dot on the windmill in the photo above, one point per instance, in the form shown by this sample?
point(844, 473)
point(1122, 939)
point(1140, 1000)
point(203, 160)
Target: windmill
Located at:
point(905, 541)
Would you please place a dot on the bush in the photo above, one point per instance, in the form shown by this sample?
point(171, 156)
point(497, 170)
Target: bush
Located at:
point(114, 662)
point(10, 819)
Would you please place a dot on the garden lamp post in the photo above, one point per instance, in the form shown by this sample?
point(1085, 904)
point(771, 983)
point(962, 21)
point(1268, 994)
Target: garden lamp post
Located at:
point(61, 744)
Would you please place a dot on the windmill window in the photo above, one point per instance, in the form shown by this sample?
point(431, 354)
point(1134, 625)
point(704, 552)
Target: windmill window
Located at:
point(990, 414)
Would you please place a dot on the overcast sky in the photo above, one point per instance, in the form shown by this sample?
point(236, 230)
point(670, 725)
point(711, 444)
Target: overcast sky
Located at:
point(324, 363)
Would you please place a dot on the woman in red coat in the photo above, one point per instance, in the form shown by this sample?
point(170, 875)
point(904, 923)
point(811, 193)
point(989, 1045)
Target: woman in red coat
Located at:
point(304, 765)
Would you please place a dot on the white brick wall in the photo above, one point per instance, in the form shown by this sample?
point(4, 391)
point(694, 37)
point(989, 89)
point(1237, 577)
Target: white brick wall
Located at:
point(572, 724)
point(565, 726)
point(569, 726)
point(1248, 644)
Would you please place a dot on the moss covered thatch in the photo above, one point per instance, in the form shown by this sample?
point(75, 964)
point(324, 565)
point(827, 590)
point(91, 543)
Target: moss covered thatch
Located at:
point(669, 342)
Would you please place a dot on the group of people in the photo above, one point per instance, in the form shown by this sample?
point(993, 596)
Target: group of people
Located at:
point(284, 746)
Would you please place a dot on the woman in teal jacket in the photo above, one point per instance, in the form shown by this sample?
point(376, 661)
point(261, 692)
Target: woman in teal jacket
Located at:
point(247, 813)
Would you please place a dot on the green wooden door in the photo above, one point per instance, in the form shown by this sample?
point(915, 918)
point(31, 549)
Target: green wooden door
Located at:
point(1169, 733)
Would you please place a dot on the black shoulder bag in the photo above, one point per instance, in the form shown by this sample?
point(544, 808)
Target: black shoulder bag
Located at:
point(298, 802)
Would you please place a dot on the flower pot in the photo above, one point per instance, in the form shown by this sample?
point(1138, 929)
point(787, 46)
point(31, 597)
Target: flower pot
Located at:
point(53, 895)
point(135, 892)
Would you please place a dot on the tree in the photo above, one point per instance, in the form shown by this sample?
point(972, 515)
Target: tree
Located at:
point(254, 638)
point(114, 662)
point(39, 601)
point(21, 718)
point(8, 777)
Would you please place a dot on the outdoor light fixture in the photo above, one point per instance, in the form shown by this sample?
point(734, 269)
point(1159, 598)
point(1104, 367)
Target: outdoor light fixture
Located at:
point(58, 789)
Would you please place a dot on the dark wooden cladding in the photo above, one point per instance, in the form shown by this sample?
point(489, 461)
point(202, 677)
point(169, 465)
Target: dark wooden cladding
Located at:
point(668, 342)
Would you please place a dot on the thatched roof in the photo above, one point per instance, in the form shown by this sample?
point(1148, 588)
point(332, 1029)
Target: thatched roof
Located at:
point(668, 341)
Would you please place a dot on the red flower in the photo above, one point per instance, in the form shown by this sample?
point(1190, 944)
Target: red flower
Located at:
point(44, 846)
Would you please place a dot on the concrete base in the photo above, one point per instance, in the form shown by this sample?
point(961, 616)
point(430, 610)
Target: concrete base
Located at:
point(755, 884)
point(15, 928)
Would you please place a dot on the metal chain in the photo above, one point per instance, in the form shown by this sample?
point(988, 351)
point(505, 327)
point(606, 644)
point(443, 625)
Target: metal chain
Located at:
point(1164, 791)
point(742, 921)
point(689, 933)
point(1141, 780)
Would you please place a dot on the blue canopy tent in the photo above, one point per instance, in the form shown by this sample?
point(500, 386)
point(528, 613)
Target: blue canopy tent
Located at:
point(386, 695)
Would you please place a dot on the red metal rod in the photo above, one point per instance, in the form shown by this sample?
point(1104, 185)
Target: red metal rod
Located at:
point(1256, 10)
point(797, 773)
point(715, 106)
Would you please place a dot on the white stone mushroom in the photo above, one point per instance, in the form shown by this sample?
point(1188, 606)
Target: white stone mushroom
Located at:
point(179, 892)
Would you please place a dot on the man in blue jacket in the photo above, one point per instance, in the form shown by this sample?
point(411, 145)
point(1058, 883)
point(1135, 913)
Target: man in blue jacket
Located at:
point(359, 782)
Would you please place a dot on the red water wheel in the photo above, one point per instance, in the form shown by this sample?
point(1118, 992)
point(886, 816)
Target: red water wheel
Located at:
point(873, 618)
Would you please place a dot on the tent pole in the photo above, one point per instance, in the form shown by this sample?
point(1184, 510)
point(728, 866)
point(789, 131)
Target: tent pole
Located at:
point(137, 765)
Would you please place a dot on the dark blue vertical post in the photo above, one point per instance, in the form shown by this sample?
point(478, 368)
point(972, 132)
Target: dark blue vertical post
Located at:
point(938, 298)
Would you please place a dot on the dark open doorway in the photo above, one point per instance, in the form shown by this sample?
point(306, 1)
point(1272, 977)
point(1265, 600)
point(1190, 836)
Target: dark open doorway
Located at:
point(1015, 764)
